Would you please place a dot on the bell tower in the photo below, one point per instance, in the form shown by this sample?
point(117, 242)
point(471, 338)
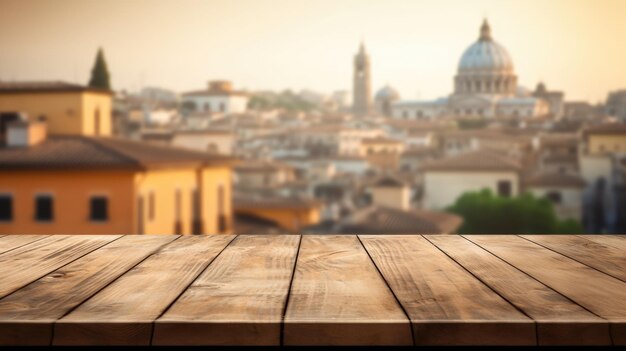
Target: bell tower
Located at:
point(362, 94)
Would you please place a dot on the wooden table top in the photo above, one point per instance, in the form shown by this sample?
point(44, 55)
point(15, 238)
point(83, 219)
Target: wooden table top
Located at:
point(312, 290)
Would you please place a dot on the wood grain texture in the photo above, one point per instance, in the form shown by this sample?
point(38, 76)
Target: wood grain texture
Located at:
point(604, 258)
point(559, 321)
point(616, 241)
point(446, 304)
point(11, 242)
point(599, 293)
point(339, 298)
point(123, 312)
point(30, 262)
point(49, 298)
point(238, 300)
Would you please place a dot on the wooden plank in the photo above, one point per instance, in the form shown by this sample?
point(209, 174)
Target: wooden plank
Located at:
point(11, 242)
point(339, 298)
point(605, 258)
point(599, 293)
point(30, 262)
point(123, 312)
point(446, 304)
point(617, 241)
point(49, 298)
point(238, 300)
point(559, 321)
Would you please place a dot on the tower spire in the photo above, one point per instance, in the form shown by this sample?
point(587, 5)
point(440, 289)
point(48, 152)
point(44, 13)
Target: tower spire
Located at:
point(485, 31)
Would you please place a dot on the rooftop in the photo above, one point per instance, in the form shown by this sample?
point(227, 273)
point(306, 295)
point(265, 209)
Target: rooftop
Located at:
point(381, 219)
point(474, 161)
point(46, 87)
point(80, 152)
point(556, 180)
point(312, 290)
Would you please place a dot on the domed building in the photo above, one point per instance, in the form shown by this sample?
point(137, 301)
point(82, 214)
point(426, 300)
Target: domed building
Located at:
point(485, 86)
point(384, 98)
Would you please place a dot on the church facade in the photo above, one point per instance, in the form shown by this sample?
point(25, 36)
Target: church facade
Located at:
point(485, 86)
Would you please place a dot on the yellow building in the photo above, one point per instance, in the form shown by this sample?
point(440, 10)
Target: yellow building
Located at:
point(78, 180)
point(81, 185)
point(606, 139)
point(67, 108)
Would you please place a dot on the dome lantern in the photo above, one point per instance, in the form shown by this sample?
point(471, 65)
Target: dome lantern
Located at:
point(485, 31)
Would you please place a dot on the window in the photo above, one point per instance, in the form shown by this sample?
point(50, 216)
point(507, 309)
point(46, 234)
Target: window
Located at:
point(96, 122)
point(151, 206)
point(178, 224)
point(504, 188)
point(44, 210)
point(99, 209)
point(178, 203)
point(554, 197)
point(196, 221)
point(6, 208)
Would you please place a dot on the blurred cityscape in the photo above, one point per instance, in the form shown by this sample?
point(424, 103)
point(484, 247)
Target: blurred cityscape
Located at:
point(490, 157)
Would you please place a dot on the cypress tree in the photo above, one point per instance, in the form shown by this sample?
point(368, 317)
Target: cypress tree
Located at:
point(100, 73)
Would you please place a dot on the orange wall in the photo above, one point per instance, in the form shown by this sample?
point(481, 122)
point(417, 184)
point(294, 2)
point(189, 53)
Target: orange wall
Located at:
point(66, 112)
point(71, 192)
point(212, 178)
point(164, 184)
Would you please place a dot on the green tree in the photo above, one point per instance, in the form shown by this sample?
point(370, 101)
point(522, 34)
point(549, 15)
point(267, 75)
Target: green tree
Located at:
point(100, 73)
point(485, 213)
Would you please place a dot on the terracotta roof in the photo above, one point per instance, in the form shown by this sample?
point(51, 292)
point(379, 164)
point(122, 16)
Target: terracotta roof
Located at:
point(606, 129)
point(47, 87)
point(561, 158)
point(80, 152)
point(555, 180)
point(386, 220)
point(474, 161)
point(253, 202)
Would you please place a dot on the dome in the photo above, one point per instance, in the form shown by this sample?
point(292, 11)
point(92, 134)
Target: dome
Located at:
point(387, 93)
point(485, 56)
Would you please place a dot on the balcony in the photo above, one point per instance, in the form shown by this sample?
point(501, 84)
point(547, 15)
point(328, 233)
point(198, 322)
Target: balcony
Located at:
point(312, 290)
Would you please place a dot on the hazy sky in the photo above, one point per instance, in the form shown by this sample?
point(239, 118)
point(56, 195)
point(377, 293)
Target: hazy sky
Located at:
point(578, 46)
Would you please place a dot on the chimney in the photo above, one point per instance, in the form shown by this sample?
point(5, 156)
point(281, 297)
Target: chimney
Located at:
point(25, 133)
point(390, 192)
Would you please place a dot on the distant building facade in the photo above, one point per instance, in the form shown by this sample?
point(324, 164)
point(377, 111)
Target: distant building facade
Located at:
point(218, 98)
point(616, 105)
point(445, 180)
point(65, 107)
